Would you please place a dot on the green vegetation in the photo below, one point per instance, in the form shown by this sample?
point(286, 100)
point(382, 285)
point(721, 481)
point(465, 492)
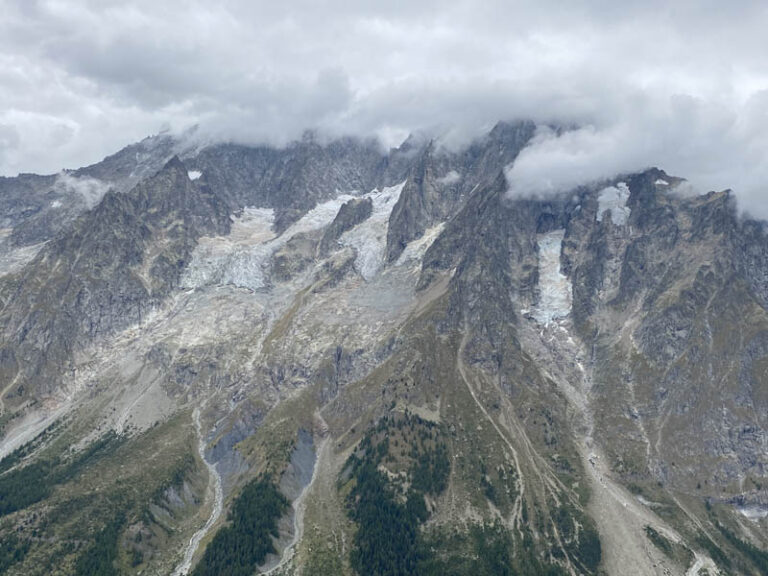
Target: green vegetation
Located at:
point(100, 558)
point(580, 537)
point(676, 551)
point(484, 550)
point(70, 510)
point(388, 505)
point(388, 513)
point(239, 548)
point(25, 450)
point(714, 551)
point(12, 551)
point(658, 540)
point(755, 555)
point(24, 486)
point(386, 540)
point(430, 470)
point(176, 476)
point(322, 562)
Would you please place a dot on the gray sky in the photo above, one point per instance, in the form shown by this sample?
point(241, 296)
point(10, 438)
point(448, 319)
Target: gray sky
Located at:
point(681, 85)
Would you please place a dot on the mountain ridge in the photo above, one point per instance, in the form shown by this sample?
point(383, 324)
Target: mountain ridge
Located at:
point(589, 365)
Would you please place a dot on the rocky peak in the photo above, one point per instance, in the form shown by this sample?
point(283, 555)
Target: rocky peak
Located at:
point(420, 205)
point(108, 271)
point(350, 215)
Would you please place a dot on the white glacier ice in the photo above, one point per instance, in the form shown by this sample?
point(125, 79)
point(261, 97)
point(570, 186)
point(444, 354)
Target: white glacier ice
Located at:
point(554, 287)
point(319, 217)
point(243, 257)
point(249, 268)
point(369, 238)
point(194, 174)
point(230, 259)
point(614, 198)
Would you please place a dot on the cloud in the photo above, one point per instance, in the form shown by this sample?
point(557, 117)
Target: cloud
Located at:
point(715, 147)
point(681, 85)
point(91, 190)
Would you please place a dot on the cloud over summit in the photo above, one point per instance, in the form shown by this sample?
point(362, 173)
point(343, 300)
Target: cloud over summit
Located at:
point(681, 85)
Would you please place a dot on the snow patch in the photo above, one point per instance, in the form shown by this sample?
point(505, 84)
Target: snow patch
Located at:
point(369, 239)
point(661, 182)
point(614, 198)
point(753, 512)
point(194, 174)
point(554, 288)
point(56, 204)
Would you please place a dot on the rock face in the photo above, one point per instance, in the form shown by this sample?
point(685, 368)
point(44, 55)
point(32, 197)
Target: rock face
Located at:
point(665, 298)
point(350, 215)
point(294, 179)
point(108, 271)
point(440, 180)
point(565, 385)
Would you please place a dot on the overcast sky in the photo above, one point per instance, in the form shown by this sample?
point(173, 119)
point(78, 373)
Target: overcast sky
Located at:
point(680, 85)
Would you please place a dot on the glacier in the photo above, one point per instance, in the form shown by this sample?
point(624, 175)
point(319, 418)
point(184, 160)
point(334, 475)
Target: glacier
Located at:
point(369, 238)
point(555, 295)
point(243, 257)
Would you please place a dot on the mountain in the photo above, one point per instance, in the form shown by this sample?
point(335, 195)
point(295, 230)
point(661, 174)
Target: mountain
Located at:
point(329, 358)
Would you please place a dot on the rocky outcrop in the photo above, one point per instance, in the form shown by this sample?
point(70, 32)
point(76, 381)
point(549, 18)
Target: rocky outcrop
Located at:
point(293, 257)
point(420, 205)
point(439, 181)
point(350, 214)
point(293, 179)
point(669, 302)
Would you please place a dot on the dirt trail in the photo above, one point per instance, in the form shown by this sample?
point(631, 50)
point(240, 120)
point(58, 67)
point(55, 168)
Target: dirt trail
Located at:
point(7, 389)
point(214, 483)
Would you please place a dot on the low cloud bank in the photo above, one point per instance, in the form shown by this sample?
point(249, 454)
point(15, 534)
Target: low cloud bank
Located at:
point(681, 85)
point(715, 147)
